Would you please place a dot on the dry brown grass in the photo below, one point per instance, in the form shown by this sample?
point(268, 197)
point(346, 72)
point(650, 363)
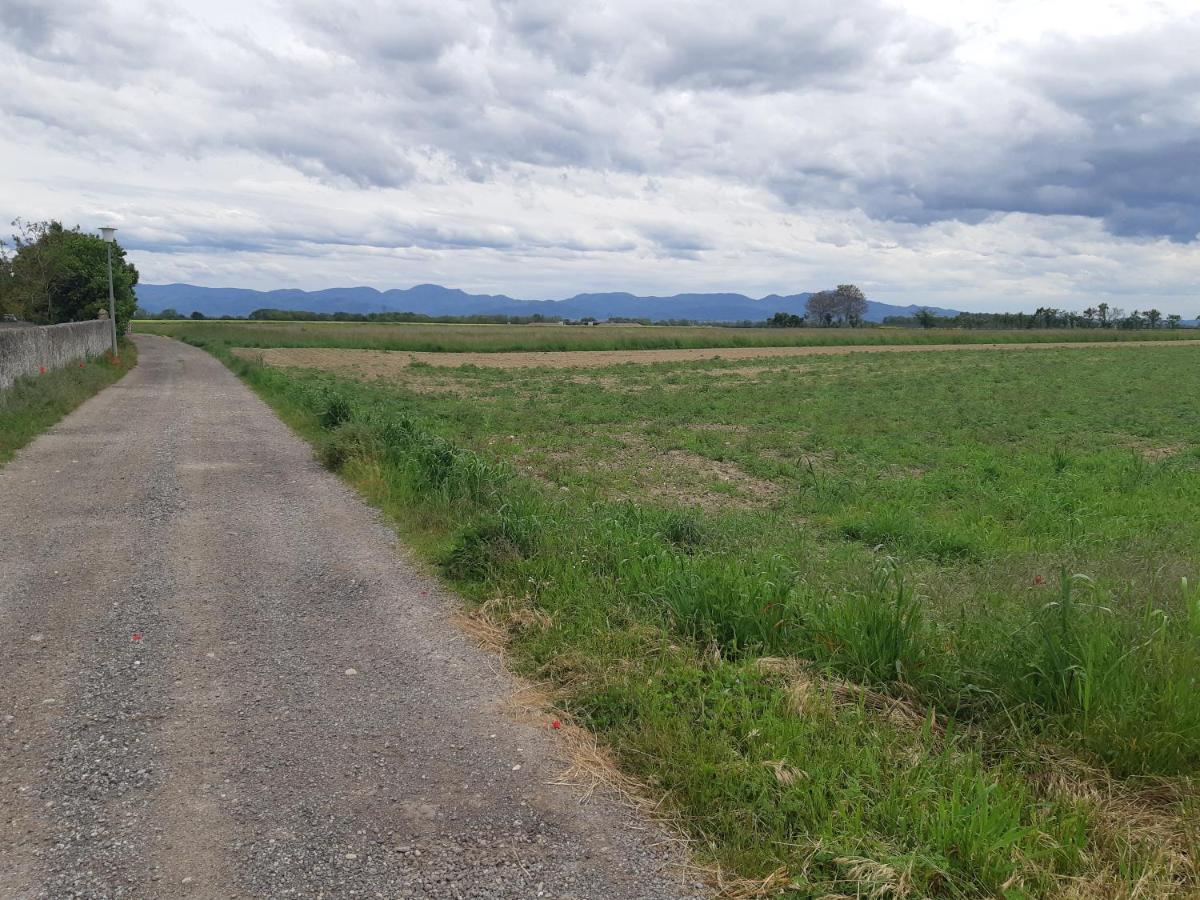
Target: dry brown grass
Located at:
point(1154, 819)
point(811, 692)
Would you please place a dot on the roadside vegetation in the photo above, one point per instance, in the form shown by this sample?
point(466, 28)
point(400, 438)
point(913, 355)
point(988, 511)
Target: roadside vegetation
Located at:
point(55, 274)
point(513, 338)
point(32, 404)
point(919, 625)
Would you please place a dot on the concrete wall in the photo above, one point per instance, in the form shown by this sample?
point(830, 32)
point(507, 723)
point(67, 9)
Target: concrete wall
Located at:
point(25, 351)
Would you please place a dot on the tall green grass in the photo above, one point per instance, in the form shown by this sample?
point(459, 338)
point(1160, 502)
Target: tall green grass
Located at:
point(652, 621)
point(32, 404)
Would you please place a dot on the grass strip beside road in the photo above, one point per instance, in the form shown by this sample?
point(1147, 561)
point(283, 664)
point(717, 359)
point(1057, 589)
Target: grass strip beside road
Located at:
point(646, 634)
point(32, 404)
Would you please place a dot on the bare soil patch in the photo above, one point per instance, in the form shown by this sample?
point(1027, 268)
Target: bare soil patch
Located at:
point(388, 363)
point(364, 365)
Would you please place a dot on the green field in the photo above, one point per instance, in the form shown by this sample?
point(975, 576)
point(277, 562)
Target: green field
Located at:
point(502, 338)
point(874, 625)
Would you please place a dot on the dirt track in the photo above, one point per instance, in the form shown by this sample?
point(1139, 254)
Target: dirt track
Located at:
point(219, 680)
point(386, 362)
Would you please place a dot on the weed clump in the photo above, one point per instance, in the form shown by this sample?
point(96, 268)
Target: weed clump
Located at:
point(335, 410)
point(487, 549)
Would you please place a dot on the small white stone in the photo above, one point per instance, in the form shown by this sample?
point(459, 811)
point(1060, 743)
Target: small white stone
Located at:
point(37, 638)
point(516, 767)
point(352, 671)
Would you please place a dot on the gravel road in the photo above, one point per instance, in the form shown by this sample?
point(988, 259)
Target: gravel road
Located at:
point(221, 677)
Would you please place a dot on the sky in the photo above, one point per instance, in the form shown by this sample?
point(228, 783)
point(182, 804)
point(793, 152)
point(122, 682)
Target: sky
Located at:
point(974, 154)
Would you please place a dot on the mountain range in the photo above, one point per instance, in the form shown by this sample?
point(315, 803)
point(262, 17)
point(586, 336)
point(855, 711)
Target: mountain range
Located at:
point(435, 300)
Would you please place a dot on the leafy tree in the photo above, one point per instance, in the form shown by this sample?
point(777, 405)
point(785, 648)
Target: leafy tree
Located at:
point(1153, 317)
point(822, 308)
point(925, 318)
point(851, 304)
point(845, 305)
point(785, 320)
point(196, 314)
point(61, 275)
point(1102, 309)
point(8, 305)
point(1174, 320)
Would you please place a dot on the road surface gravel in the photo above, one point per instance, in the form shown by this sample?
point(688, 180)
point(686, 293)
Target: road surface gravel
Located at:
point(221, 677)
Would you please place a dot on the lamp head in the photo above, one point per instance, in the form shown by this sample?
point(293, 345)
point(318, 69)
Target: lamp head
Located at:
point(108, 234)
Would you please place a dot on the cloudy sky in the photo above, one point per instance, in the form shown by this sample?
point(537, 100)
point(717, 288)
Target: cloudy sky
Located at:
point(979, 154)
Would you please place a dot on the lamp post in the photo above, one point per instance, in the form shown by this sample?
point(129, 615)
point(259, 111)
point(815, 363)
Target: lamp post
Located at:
point(108, 235)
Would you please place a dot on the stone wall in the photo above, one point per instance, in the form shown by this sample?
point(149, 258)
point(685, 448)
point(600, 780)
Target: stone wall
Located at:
point(26, 351)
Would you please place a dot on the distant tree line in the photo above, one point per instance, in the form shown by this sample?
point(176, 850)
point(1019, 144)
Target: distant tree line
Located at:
point(290, 315)
point(1100, 316)
point(51, 274)
point(299, 315)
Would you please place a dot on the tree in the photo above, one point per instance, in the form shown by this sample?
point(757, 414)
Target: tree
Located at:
point(851, 304)
point(8, 305)
point(196, 314)
point(822, 308)
point(30, 294)
point(1174, 320)
point(785, 320)
point(61, 275)
point(925, 318)
point(1153, 317)
point(1102, 309)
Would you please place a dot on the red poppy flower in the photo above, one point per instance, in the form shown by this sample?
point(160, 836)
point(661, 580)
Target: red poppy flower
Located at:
point(556, 724)
point(1038, 579)
point(136, 636)
point(41, 370)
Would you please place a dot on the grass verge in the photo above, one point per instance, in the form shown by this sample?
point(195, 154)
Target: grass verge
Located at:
point(798, 737)
point(32, 404)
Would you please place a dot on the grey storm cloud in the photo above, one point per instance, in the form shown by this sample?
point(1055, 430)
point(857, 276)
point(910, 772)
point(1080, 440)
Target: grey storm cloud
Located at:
point(1119, 141)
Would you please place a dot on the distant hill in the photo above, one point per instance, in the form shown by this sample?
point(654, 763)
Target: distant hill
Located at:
point(435, 300)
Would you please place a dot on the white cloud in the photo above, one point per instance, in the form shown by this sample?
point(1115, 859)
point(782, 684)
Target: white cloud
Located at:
point(983, 154)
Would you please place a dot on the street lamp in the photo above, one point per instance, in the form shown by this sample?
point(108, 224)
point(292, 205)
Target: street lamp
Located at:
point(108, 235)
